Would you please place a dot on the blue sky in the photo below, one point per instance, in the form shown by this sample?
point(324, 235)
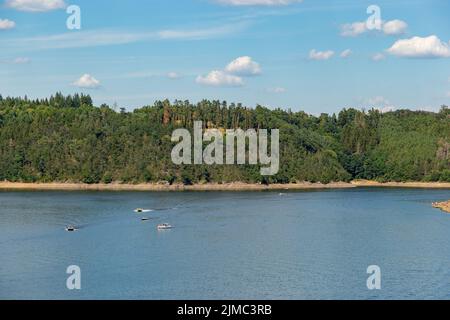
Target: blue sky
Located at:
point(311, 55)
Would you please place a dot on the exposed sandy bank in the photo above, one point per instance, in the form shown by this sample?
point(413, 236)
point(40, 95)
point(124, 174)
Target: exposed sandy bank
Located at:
point(425, 185)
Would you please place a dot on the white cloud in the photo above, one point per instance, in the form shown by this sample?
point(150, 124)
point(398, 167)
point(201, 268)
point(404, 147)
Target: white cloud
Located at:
point(6, 24)
point(108, 37)
point(276, 90)
point(196, 34)
point(173, 75)
point(21, 60)
point(380, 103)
point(36, 5)
point(346, 53)
point(232, 75)
point(418, 47)
point(258, 2)
point(243, 66)
point(378, 57)
point(353, 29)
point(395, 27)
point(390, 28)
point(219, 78)
point(320, 55)
point(87, 81)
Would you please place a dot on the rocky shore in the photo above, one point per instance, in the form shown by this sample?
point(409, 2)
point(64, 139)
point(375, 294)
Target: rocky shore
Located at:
point(444, 206)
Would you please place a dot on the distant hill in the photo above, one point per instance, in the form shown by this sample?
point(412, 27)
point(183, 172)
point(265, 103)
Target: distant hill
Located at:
point(66, 138)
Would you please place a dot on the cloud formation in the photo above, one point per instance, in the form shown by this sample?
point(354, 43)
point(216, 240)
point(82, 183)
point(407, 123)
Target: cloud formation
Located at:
point(36, 5)
point(418, 47)
point(346, 53)
point(353, 29)
point(6, 24)
point(378, 57)
point(320, 55)
point(219, 78)
point(276, 90)
point(243, 66)
point(173, 75)
point(380, 103)
point(258, 2)
point(21, 60)
point(232, 75)
point(389, 28)
point(395, 27)
point(109, 37)
point(87, 82)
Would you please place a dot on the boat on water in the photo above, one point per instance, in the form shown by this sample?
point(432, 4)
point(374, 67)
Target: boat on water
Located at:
point(145, 219)
point(164, 226)
point(140, 210)
point(71, 229)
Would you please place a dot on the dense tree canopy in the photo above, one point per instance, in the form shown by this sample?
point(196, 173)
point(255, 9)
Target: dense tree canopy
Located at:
point(66, 138)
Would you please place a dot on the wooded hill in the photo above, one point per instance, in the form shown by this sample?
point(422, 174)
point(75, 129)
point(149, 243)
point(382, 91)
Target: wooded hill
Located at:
point(66, 138)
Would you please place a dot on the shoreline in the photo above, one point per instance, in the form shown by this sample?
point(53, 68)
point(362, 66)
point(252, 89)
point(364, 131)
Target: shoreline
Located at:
point(414, 185)
point(165, 187)
point(18, 186)
point(444, 206)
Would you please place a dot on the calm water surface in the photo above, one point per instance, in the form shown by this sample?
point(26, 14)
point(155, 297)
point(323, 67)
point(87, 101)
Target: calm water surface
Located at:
point(225, 245)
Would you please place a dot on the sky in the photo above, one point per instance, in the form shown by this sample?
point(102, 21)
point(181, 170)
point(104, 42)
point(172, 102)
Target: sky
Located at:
point(317, 56)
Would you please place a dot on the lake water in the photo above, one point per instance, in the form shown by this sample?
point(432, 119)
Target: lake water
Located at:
point(225, 245)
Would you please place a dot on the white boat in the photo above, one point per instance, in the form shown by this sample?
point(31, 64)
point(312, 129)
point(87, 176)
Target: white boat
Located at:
point(140, 210)
point(71, 229)
point(164, 226)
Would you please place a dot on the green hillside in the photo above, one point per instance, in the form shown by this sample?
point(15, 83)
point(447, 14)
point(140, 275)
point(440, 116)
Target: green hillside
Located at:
point(66, 138)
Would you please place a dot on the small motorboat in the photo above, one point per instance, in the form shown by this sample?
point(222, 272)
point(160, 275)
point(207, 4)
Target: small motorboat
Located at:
point(71, 229)
point(140, 210)
point(164, 226)
point(145, 219)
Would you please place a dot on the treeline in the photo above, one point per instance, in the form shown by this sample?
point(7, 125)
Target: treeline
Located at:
point(67, 139)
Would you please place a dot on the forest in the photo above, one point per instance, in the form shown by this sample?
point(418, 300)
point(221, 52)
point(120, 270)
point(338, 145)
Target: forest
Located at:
point(68, 139)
